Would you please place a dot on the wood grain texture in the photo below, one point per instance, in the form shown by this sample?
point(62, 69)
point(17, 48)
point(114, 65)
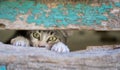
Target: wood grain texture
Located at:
point(30, 58)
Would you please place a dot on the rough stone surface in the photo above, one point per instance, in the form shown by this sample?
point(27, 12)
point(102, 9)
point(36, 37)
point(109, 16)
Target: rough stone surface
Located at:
point(31, 58)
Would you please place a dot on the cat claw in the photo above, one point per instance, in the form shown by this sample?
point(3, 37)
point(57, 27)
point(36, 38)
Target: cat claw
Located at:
point(20, 41)
point(60, 48)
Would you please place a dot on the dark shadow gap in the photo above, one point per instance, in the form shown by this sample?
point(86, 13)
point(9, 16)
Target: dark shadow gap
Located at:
point(78, 40)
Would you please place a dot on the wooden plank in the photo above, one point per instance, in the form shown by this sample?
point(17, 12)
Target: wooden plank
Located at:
point(31, 58)
point(107, 23)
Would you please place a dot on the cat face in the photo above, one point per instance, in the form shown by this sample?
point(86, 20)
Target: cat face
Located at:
point(45, 38)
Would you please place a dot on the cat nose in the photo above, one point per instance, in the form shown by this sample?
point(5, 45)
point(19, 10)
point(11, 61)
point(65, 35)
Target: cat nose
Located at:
point(42, 44)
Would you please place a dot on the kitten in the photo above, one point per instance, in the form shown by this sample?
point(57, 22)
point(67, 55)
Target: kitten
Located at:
point(52, 40)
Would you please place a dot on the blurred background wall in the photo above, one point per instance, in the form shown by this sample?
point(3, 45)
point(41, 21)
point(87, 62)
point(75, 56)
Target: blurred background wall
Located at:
point(79, 39)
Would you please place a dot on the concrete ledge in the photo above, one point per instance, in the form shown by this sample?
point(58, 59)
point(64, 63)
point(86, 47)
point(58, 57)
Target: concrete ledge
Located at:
point(30, 58)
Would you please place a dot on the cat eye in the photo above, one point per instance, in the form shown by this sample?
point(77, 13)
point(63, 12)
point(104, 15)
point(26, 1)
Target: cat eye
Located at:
point(36, 35)
point(53, 38)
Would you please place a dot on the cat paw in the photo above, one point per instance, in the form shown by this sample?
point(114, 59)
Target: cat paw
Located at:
point(20, 41)
point(60, 48)
point(1, 43)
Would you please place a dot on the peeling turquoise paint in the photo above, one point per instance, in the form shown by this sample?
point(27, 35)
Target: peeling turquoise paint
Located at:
point(3, 67)
point(117, 4)
point(60, 16)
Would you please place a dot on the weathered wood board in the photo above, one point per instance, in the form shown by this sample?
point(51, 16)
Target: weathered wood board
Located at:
point(31, 58)
point(93, 16)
